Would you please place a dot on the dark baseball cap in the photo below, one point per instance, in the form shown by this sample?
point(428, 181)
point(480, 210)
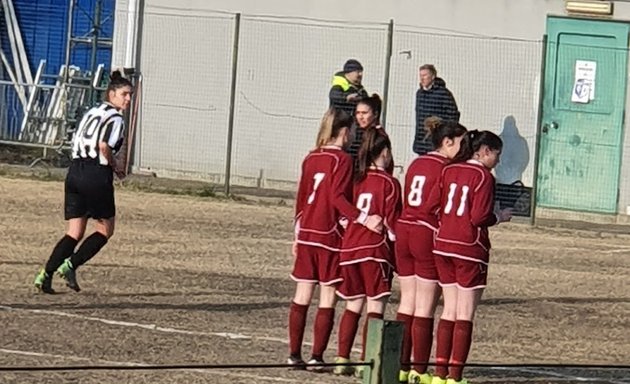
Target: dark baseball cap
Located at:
point(352, 65)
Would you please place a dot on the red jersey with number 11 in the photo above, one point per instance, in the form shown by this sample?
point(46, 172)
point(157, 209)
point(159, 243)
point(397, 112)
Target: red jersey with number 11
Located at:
point(324, 195)
point(466, 212)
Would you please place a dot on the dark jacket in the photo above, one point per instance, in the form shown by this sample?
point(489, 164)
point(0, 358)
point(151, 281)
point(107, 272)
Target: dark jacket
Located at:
point(339, 92)
point(436, 101)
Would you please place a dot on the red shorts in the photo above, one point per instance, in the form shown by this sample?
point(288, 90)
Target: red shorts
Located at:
point(464, 274)
point(316, 265)
point(365, 279)
point(414, 252)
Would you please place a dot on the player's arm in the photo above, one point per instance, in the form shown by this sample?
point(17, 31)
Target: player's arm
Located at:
point(393, 208)
point(341, 190)
point(482, 209)
point(301, 196)
point(112, 140)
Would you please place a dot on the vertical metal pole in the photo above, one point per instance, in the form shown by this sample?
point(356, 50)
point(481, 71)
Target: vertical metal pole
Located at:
point(230, 133)
point(69, 42)
point(96, 28)
point(388, 64)
point(541, 104)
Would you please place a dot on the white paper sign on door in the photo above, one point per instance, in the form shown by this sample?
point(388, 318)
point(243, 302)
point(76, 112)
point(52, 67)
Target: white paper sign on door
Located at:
point(584, 86)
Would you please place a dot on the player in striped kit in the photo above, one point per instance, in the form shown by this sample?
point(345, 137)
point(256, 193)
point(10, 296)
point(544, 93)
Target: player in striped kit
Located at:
point(415, 232)
point(89, 189)
point(323, 197)
point(462, 247)
point(367, 261)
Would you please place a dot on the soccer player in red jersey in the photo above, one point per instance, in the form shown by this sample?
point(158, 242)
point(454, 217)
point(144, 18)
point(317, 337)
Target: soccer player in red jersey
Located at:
point(462, 247)
point(366, 257)
point(324, 196)
point(415, 232)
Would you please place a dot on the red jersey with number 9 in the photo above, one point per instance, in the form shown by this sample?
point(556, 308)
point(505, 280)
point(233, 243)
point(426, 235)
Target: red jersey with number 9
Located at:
point(377, 194)
point(466, 212)
point(324, 195)
point(422, 190)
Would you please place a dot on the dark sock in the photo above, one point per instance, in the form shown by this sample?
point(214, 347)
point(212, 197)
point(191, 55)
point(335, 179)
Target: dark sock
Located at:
point(422, 336)
point(443, 348)
point(297, 323)
point(348, 328)
point(63, 250)
point(462, 338)
point(370, 315)
point(405, 356)
point(88, 249)
point(322, 328)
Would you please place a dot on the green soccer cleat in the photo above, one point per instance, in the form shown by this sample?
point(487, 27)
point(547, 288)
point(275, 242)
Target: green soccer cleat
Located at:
point(69, 274)
point(43, 282)
point(416, 377)
point(403, 376)
point(358, 372)
point(342, 370)
point(453, 381)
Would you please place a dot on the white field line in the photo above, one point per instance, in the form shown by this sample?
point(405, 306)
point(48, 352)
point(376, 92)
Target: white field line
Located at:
point(132, 364)
point(239, 336)
point(155, 327)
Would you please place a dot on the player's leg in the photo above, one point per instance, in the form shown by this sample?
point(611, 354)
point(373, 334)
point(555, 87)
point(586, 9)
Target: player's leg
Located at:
point(405, 264)
point(444, 338)
point(348, 327)
point(329, 273)
point(305, 275)
point(471, 281)
point(427, 294)
point(75, 211)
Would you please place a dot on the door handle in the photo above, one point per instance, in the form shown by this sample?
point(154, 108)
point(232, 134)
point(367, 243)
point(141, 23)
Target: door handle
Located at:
point(547, 126)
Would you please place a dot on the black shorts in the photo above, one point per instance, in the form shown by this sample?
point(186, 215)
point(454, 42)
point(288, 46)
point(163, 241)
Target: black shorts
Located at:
point(89, 191)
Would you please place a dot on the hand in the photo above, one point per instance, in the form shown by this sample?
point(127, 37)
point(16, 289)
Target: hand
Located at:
point(374, 223)
point(120, 171)
point(343, 222)
point(504, 215)
point(353, 97)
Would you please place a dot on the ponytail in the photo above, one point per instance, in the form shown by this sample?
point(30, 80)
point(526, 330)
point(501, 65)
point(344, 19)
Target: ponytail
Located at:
point(438, 129)
point(474, 140)
point(375, 140)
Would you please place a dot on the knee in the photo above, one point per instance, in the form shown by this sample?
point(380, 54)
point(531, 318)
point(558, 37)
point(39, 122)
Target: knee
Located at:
point(327, 297)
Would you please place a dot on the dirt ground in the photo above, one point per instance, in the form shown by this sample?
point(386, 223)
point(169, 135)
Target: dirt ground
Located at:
point(196, 280)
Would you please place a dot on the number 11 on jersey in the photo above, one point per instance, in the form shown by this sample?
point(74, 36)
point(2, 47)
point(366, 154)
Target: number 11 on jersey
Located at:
point(452, 189)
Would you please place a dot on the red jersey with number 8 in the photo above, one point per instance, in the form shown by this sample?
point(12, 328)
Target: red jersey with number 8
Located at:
point(377, 194)
point(422, 190)
point(324, 195)
point(466, 212)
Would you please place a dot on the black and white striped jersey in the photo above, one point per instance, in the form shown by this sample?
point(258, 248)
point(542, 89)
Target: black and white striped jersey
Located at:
point(100, 124)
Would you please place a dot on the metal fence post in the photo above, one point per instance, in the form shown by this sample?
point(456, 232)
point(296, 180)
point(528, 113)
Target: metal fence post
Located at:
point(388, 64)
point(541, 99)
point(230, 133)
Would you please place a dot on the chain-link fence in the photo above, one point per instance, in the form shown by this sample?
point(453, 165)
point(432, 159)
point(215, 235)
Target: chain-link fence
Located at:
point(278, 70)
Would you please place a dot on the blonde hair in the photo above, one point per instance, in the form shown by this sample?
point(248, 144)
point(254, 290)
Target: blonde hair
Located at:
point(332, 123)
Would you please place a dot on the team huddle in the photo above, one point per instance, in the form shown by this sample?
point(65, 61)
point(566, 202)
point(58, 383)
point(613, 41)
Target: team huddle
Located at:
point(355, 227)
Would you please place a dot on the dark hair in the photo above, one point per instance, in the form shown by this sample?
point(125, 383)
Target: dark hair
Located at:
point(375, 103)
point(474, 140)
point(374, 141)
point(430, 68)
point(116, 81)
point(438, 129)
point(332, 123)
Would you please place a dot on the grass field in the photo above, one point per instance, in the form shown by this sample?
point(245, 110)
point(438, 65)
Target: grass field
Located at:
point(197, 280)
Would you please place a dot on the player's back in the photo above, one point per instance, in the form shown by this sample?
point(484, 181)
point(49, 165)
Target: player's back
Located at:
point(466, 210)
point(377, 194)
point(422, 190)
point(326, 172)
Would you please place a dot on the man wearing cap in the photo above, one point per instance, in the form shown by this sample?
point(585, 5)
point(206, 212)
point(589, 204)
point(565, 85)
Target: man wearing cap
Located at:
point(347, 90)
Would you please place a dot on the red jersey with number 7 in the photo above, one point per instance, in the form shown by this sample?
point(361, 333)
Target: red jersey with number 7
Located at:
point(377, 194)
point(324, 195)
point(466, 212)
point(422, 190)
